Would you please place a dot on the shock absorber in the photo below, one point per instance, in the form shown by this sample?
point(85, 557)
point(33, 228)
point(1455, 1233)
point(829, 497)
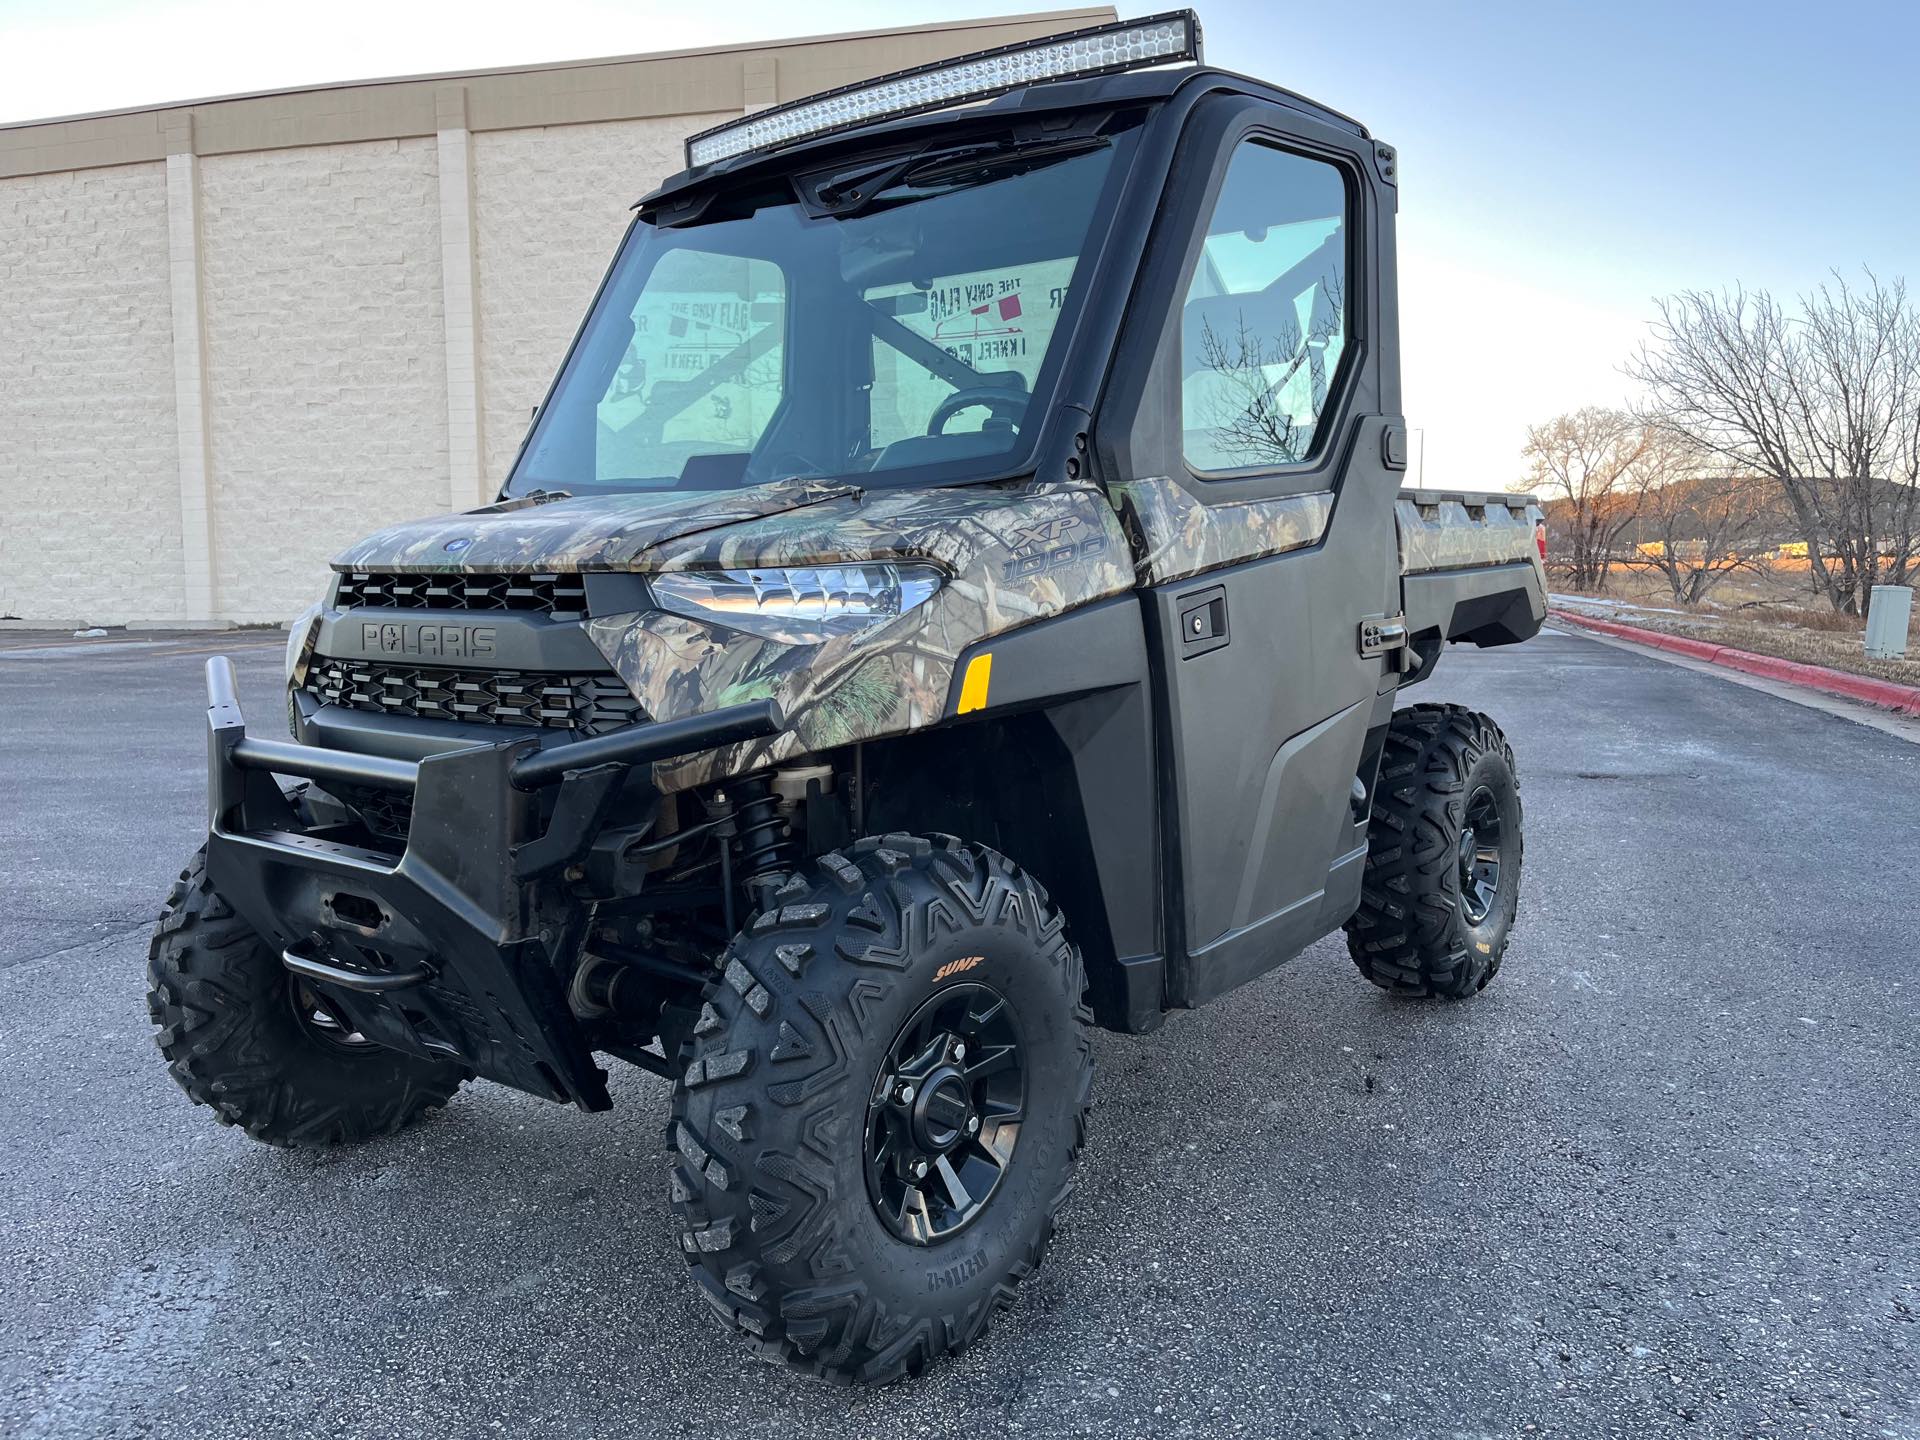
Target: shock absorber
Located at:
point(755, 845)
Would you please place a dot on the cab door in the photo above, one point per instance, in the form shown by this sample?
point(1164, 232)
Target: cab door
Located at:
point(1247, 435)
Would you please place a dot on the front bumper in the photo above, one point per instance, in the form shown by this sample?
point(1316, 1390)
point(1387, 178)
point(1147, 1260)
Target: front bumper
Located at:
point(460, 949)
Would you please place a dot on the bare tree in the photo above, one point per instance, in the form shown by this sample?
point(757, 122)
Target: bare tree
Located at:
point(1695, 528)
point(1246, 408)
point(1251, 405)
point(1902, 549)
point(1588, 461)
point(1822, 402)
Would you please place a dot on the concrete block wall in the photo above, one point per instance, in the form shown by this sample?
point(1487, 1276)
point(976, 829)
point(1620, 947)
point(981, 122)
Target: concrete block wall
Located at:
point(236, 334)
point(326, 379)
point(550, 206)
point(89, 507)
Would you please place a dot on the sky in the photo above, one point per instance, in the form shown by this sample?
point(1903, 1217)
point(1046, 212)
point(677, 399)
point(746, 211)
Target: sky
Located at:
point(1561, 164)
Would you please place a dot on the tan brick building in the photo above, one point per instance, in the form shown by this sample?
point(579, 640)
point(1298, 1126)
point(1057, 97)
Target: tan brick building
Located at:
point(236, 333)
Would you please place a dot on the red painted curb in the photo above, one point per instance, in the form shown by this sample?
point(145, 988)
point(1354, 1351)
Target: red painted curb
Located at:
point(1885, 693)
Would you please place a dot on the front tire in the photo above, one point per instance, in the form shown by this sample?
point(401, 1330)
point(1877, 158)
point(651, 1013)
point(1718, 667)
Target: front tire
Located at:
point(1444, 847)
point(244, 1037)
point(911, 1003)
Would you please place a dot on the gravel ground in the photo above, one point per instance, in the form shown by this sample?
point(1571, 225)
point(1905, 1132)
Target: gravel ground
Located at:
point(1659, 1180)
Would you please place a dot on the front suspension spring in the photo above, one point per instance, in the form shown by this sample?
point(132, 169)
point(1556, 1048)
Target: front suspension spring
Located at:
point(763, 840)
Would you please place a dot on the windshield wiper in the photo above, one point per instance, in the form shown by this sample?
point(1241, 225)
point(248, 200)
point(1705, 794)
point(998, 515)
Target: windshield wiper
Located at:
point(985, 159)
point(850, 191)
point(848, 184)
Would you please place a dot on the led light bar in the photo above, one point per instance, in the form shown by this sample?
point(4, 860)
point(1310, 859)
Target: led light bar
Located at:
point(1101, 50)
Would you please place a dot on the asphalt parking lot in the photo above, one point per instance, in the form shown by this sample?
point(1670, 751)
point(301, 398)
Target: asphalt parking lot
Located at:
point(1659, 1180)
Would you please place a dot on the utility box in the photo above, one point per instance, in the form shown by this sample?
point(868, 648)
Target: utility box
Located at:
point(1889, 613)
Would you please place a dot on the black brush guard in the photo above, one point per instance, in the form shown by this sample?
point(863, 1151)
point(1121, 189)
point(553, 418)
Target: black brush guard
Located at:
point(463, 947)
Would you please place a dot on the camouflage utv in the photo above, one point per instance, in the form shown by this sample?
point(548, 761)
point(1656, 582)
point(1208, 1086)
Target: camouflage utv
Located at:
point(955, 594)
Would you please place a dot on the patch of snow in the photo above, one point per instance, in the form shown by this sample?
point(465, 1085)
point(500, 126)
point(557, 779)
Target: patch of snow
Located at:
point(1593, 602)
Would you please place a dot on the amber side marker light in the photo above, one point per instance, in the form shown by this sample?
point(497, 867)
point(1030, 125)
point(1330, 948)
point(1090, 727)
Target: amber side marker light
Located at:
point(973, 688)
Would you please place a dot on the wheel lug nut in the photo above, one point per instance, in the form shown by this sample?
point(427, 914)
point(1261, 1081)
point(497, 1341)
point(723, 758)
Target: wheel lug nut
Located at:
point(959, 1049)
point(906, 1094)
point(919, 1169)
point(973, 1125)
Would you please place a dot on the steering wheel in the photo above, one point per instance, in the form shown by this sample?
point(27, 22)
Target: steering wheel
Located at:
point(1007, 406)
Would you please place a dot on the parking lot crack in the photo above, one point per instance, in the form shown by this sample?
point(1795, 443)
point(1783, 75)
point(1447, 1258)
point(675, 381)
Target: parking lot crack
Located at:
point(76, 948)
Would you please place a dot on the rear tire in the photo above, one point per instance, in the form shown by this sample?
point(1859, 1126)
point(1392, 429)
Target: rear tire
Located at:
point(1444, 847)
point(794, 1150)
point(243, 1037)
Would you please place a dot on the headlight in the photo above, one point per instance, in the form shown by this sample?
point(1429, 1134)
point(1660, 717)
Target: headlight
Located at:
point(300, 638)
point(801, 606)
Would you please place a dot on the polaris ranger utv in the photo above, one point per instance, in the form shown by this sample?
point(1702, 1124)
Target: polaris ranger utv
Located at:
point(954, 594)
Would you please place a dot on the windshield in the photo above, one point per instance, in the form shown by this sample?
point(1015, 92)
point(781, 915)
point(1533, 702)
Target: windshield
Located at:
point(894, 320)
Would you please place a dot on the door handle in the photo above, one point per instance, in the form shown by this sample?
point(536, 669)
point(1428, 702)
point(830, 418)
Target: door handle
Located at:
point(1203, 621)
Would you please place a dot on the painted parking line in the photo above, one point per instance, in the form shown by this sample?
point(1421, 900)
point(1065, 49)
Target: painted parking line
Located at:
point(70, 652)
point(100, 648)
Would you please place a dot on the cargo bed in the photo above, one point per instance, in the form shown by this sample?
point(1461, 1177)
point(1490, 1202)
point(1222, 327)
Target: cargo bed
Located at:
point(1470, 568)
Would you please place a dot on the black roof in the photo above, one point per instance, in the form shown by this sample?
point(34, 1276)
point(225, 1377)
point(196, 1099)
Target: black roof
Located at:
point(1040, 97)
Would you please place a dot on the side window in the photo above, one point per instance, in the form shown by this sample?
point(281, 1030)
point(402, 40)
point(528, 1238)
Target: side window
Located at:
point(703, 371)
point(1265, 322)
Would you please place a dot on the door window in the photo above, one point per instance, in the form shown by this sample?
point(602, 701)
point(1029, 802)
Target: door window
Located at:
point(1264, 327)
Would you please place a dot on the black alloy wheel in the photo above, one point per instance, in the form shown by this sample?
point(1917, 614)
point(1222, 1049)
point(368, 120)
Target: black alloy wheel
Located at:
point(321, 1018)
point(1479, 860)
point(945, 1113)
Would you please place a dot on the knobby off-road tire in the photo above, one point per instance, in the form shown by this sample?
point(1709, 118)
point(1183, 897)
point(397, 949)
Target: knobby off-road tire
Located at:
point(1427, 924)
point(773, 1119)
point(236, 1040)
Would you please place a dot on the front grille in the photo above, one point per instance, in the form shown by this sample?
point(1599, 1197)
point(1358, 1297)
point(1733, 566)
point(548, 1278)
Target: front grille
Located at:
point(564, 597)
point(586, 704)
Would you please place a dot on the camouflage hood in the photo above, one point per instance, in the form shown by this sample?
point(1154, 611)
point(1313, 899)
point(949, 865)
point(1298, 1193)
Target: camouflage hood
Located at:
point(587, 532)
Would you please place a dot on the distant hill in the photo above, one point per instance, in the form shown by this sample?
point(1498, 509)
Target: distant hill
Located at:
point(1705, 495)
